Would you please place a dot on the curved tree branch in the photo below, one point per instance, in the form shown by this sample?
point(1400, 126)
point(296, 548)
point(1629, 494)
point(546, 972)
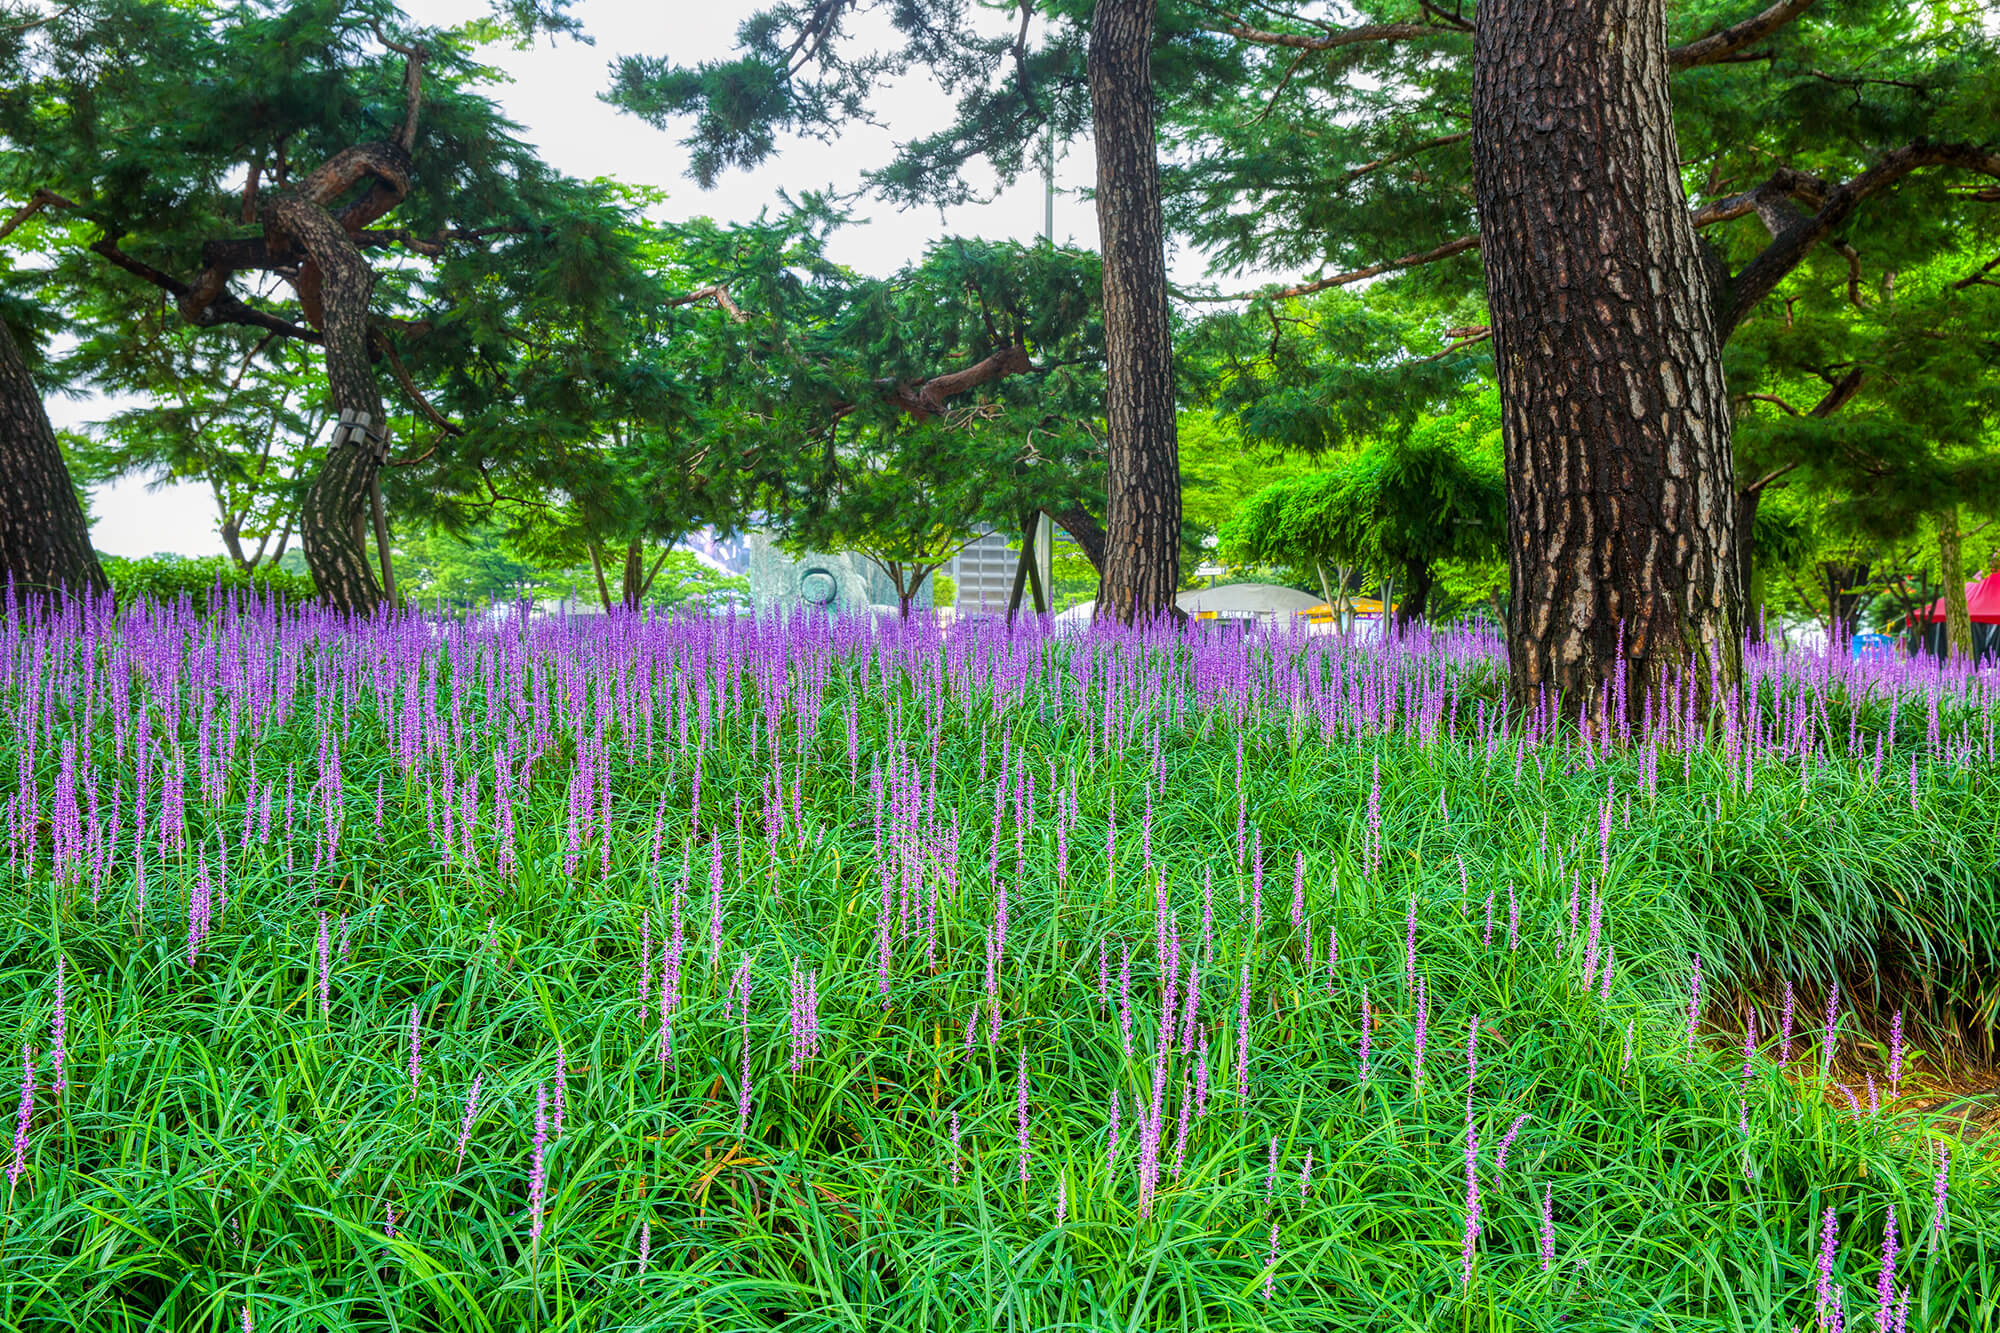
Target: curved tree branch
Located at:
point(1725, 43)
point(1757, 278)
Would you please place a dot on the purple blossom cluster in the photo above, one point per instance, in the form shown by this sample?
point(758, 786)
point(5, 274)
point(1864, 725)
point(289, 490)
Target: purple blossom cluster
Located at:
point(588, 713)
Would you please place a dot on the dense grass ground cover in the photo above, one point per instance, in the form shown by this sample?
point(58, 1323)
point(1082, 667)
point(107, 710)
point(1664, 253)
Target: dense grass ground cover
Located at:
point(358, 945)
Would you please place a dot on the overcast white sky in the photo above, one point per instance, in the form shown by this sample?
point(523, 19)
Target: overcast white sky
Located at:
point(554, 97)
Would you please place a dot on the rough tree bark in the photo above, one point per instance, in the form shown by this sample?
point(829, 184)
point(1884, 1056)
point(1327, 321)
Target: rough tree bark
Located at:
point(336, 284)
point(44, 541)
point(1620, 488)
point(1143, 513)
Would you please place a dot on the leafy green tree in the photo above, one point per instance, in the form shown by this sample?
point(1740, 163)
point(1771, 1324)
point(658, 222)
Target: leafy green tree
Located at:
point(231, 410)
point(1401, 506)
point(1918, 448)
point(1805, 137)
point(260, 195)
point(44, 535)
point(474, 567)
point(904, 460)
point(796, 71)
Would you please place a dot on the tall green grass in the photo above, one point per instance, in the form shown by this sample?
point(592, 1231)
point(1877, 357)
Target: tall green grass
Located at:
point(222, 1145)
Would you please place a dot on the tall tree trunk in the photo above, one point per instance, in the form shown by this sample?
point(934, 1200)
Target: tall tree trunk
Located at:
point(597, 568)
point(1142, 557)
point(1951, 561)
point(1620, 487)
point(44, 540)
point(1415, 601)
point(635, 575)
point(335, 287)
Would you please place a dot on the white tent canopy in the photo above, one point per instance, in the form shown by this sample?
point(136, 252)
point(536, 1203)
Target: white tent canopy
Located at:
point(1235, 601)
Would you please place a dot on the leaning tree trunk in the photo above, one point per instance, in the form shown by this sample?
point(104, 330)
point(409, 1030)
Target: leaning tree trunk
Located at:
point(1951, 563)
point(44, 540)
point(335, 287)
point(1142, 555)
point(1620, 490)
point(1084, 529)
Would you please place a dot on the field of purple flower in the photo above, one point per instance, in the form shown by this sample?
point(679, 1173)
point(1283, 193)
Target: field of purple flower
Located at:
point(712, 974)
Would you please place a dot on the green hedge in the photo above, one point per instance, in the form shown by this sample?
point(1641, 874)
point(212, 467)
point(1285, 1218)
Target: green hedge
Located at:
point(165, 578)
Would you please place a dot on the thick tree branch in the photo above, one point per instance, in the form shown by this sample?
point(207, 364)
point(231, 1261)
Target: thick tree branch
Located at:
point(1757, 278)
point(413, 86)
point(1978, 276)
point(717, 294)
point(1445, 251)
point(926, 398)
point(1085, 531)
point(1462, 339)
point(37, 201)
point(1838, 396)
point(223, 309)
point(1725, 43)
point(401, 373)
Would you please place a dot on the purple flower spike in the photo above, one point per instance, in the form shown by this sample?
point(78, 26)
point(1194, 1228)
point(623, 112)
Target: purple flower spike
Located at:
point(24, 1116)
point(1021, 1114)
point(1270, 1276)
point(1694, 1006)
point(416, 1047)
point(537, 1172)
point(1828, 1238)
point(1938, 1188)
point(1423, 1024)
point(562, 1091)
point(325, 970)
point(1895, 1054)
point(1506, 1142)
point(1885, 1285)
point(1471, 1202)
point(58, 1051)
point(956, 1161)
point(1785, 1030)
point(1365, 1026)
point(1548, 1227)
point(471, 1109)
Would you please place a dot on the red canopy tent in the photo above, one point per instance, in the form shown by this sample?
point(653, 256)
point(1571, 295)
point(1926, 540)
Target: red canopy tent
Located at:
point(1982, 599)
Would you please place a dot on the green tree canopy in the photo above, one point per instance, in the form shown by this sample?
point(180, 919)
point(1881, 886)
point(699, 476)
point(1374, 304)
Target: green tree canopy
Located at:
point(1399, 507)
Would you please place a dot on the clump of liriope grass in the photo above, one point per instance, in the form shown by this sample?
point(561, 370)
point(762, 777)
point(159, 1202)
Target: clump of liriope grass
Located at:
point(224, 1142)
